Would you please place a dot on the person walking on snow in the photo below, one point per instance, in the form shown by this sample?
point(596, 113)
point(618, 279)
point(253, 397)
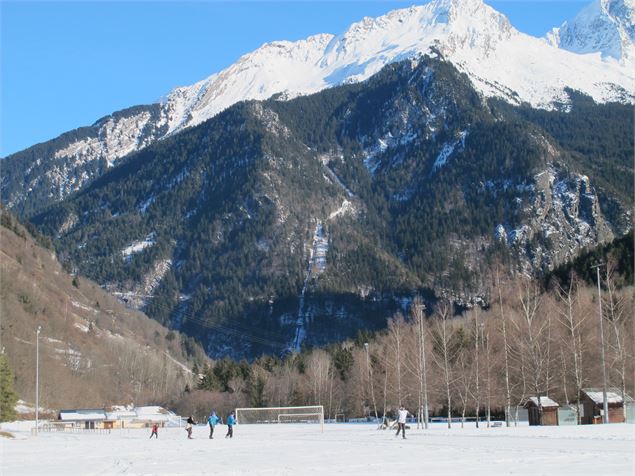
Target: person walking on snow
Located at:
point(155, 431)
point(188, 427)
point(212, 421)
point(231, 421)
point(401, 422)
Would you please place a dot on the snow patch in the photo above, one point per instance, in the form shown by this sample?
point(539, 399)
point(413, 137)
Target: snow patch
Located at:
point(82, 327)
point(346, 207)
point(138, 246)
point(447, 150)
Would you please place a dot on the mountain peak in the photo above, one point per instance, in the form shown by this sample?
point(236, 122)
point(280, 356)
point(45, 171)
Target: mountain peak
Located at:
point(604, 26)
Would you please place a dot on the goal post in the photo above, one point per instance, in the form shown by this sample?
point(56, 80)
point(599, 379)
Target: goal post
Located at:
point(305, 414)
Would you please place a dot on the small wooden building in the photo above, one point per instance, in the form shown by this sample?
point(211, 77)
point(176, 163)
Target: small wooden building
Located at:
point(542, 411)
point(89, 418)
point(592, 400)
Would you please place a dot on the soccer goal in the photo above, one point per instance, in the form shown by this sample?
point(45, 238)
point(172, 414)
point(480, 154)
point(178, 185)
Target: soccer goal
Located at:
point(306, 414)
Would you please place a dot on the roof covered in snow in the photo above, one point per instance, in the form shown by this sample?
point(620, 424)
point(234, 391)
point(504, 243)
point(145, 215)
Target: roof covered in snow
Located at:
point(545, 402)
point(613, 395)
point(150, 410)
point(121, 414)
point(83, 414)
point(154, 413)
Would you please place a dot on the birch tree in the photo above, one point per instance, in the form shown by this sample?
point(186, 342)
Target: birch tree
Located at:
point(396, 333)
point(533, 339)
point(506, 350)
point(443, 352)
point(420, 324)
point(615, 315)
point(572, 320)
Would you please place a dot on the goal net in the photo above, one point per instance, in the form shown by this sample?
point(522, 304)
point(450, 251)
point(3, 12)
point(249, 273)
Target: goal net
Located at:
point(307, 414)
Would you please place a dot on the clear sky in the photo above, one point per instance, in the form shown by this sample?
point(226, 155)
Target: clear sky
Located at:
point(65, 65)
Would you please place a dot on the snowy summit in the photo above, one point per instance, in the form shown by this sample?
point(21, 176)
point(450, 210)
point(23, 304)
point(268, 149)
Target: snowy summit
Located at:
point(592, 53)
point(500, 60)
point(605, 26)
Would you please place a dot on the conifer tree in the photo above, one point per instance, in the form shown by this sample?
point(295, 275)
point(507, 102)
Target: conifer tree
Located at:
point(8, 397)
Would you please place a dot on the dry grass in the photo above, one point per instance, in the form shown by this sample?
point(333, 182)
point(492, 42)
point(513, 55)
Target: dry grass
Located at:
point(93, 350)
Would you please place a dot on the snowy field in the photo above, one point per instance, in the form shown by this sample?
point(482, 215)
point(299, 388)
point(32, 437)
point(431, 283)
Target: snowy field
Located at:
point(350, 449)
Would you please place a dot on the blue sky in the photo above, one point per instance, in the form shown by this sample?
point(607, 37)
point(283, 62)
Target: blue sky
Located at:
point(65, 65)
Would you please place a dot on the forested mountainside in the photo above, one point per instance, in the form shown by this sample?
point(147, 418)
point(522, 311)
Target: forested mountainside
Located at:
point(298, 222)
point(93, 350)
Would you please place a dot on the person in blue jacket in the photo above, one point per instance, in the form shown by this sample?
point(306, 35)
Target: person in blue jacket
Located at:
point(212, 421)
point(231, 421)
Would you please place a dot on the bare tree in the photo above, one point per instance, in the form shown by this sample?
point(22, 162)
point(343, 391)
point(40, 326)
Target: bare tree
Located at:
point(616, 317)
point(396, 333)
point(477, 395)
point(532, 339)
point(506, 350)
point(443, 352)
point(319, 373)
point(463, 366)
point(572, 320)
point(422, 368)
point(488, 367)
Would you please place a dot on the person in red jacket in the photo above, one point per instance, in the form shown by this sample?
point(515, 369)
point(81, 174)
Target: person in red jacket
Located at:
point(155, 431)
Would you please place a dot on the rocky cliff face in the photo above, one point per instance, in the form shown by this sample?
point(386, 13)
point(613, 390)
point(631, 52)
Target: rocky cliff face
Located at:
point(564, 218)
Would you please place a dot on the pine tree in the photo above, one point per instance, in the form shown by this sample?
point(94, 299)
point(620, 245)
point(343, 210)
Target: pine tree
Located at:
point(8, 397)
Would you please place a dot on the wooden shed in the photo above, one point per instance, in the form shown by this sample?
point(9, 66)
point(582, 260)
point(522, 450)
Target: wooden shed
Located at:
point(592, 400)
point(542, 411)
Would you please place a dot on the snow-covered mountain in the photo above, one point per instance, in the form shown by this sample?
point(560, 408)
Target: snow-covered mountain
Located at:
point(605, 26)
point(499, 60)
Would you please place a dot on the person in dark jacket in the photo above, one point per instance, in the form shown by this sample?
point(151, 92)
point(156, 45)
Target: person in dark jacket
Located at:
point(189, 426)
point(212, 421)
point(231, 421)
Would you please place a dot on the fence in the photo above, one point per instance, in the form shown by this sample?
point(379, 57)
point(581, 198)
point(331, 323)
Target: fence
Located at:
point(68, 428)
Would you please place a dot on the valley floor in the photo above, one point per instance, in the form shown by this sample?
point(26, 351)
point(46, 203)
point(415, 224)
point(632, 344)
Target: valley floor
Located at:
point(350, 449)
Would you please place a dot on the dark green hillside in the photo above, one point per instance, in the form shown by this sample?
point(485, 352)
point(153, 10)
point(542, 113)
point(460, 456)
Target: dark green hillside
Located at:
point(285, 223)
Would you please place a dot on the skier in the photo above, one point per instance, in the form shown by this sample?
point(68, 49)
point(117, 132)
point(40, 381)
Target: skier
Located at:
point(401, 422)
point(188, 427)
point(155, 431)
point(212, 421)
point(231, 421)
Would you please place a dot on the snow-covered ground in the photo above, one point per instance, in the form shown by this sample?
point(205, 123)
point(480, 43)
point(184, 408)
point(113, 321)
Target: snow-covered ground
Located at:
point(351, 449)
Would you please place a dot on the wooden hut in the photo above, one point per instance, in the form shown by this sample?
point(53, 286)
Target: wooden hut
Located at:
point(542, 411)
point(592, 400)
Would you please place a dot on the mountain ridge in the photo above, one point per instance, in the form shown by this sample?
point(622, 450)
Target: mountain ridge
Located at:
point(500, 61)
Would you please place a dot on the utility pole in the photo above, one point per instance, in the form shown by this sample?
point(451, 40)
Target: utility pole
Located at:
point(370, 379)
point(37, 377)
point(424, 370)
point(476, 335)
point(605, 416)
